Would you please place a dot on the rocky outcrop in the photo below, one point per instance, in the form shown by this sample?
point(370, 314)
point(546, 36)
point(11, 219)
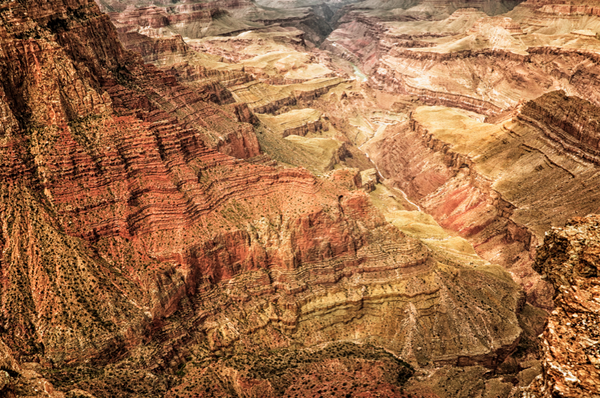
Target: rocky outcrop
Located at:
point(391, 75)
point(528, 75)
point(304, 129)
point(176, 58)
point(152, 17)
point(579, 71)
point(220, 17)
point(569, 259)
point(314, 26)
point(357, 39)
point(385, 80)
point(154, 49)
point(570, 9)
point(190, 20)
point(485, 64)
point(233, 49)
point(569, 121)
point(298, 122)
point(262, 98)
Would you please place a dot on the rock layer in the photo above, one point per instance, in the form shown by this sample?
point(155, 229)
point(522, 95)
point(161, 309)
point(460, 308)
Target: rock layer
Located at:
point(218, 17)
point(570, 121)
point(472, 61)
point(448, 186)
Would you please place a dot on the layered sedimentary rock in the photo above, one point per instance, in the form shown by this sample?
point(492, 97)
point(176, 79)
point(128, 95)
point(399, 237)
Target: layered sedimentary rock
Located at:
point(500, 185)
point(570, 121)
point(150, 248)
point(274, 55)
point(263, 98)
point(140, 236)
point(490, 66)
point(447, 185)
point(464, 193)
point(472, 61)
point(280, 72)
point(298, 122)
point(569, 259)
point(204, 74)
point(356, 39)
point(431, 9)
point(193, 20)
point(220, 17)
point(509, 77)
point(563, 8)
point(158, 7)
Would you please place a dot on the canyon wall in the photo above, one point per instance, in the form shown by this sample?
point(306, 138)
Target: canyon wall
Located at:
point(447, 185)
point(570, 121)
point(471, 61)
point(139, 235)
point(221, 17)
point(502, 185)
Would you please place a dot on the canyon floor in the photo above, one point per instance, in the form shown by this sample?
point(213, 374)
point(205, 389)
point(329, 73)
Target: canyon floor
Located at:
point(299, 198)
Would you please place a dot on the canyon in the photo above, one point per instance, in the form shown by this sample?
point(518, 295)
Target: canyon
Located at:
point(297, 198)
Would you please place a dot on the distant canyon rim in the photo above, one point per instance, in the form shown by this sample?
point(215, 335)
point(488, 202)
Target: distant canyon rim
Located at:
point(299, 198)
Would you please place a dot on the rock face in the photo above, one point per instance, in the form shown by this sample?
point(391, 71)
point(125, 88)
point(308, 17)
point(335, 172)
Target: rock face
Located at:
point(73, 147)
point(508, 182)
point(570, 121)
point(220, 17)
point(180, 17)
point(520, 77)
point(152, 245)
point(510, 69)
point(139, 234)
point(569, 259)
point(299, 122)
point(565, 9)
